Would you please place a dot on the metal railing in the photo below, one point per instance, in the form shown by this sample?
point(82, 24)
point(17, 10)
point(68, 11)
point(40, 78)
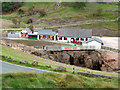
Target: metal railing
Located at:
point(110, 49)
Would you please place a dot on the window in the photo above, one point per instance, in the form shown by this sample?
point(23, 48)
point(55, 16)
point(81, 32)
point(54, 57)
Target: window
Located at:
point(60, 38)
point(77, 38)
point(86, 39)
point(65, 38)
point(82, 39)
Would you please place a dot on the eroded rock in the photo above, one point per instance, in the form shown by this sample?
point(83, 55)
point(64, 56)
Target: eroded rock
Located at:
point(60, 68)
point(35, 63)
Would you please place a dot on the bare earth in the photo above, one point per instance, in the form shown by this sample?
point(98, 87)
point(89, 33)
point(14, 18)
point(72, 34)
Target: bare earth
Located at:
point(5, 23)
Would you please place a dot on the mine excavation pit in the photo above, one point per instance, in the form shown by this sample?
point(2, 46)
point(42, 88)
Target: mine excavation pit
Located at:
point(92, 59)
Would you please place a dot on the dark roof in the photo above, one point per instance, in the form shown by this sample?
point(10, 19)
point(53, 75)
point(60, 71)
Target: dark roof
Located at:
point(46, 32)
point(37, 29)
point(75, 32)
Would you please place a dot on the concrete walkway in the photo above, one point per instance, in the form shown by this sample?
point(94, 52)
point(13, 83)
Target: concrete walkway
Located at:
point(6, 67)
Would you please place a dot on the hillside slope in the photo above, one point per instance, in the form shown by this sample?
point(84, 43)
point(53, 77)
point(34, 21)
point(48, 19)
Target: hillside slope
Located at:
point(66, 15)
point(54, 80)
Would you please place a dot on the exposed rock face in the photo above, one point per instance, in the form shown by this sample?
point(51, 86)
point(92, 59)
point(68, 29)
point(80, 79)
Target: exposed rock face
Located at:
point(89, 59)
point(38, 53)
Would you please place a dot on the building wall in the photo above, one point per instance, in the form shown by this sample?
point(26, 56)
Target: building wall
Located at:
point(35, 33)
point(18, 35)
point(69, 39)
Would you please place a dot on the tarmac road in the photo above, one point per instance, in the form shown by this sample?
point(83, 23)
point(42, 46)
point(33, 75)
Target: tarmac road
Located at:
point(6, 67)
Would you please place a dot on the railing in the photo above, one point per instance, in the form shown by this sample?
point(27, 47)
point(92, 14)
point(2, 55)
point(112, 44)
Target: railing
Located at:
point(60, 48)
point(110, 49)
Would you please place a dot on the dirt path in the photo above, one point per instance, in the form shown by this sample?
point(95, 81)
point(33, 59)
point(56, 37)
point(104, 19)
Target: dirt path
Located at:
point(5, 23)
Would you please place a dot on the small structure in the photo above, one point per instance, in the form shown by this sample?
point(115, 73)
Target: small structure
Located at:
point(93, 42)
point(24, 32)
point(42, 34)
point(14, 34)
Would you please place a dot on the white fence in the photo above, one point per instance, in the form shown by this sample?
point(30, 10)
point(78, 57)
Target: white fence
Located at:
point(60, 48)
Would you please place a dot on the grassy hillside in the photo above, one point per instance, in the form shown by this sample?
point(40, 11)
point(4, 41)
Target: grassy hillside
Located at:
point(66, 15)
point(54, 80)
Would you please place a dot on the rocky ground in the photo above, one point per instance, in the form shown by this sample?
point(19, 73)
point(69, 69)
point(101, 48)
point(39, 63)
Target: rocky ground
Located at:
point(97, 60)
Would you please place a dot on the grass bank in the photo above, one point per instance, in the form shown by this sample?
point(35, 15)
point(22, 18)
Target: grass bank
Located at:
point(54, 80)
point(42, 63)
point(65, 13)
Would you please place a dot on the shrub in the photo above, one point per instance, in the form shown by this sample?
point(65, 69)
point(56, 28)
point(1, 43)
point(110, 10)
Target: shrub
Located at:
point(42, 13)
point(20, 11)
point(10, 6)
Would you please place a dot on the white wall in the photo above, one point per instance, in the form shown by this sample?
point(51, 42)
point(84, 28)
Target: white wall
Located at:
point(35, 32)
point(68, 39)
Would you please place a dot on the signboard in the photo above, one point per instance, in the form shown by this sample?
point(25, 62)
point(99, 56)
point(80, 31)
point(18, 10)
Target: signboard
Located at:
point(70, 48)
point(77, 47)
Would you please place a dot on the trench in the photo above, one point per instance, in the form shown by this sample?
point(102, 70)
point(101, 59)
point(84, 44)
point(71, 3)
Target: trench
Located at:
point(89, 59)
point(71, 60)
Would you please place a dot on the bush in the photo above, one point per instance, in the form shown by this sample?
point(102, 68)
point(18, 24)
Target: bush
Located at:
point(42, 13)
point(30, 20)
point(10, 6)
point(20, 11)
point(97, 12)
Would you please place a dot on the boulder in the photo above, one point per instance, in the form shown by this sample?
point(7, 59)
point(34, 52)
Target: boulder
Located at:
point(8, 57)
point(24, 62)
point(60, 68)
point(51, 57)
point(35, 63)
point(65, 58)
point(38, 53)
point(14, 60)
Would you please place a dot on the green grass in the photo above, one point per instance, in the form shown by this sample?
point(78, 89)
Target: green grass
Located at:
point(65, 13)
point(43, 63)
point(108, 25)
point(55, 80)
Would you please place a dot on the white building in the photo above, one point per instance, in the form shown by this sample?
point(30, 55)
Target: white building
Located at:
point(95, 42)
point(14, 34)
point(79, 36)
point(74, 34)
